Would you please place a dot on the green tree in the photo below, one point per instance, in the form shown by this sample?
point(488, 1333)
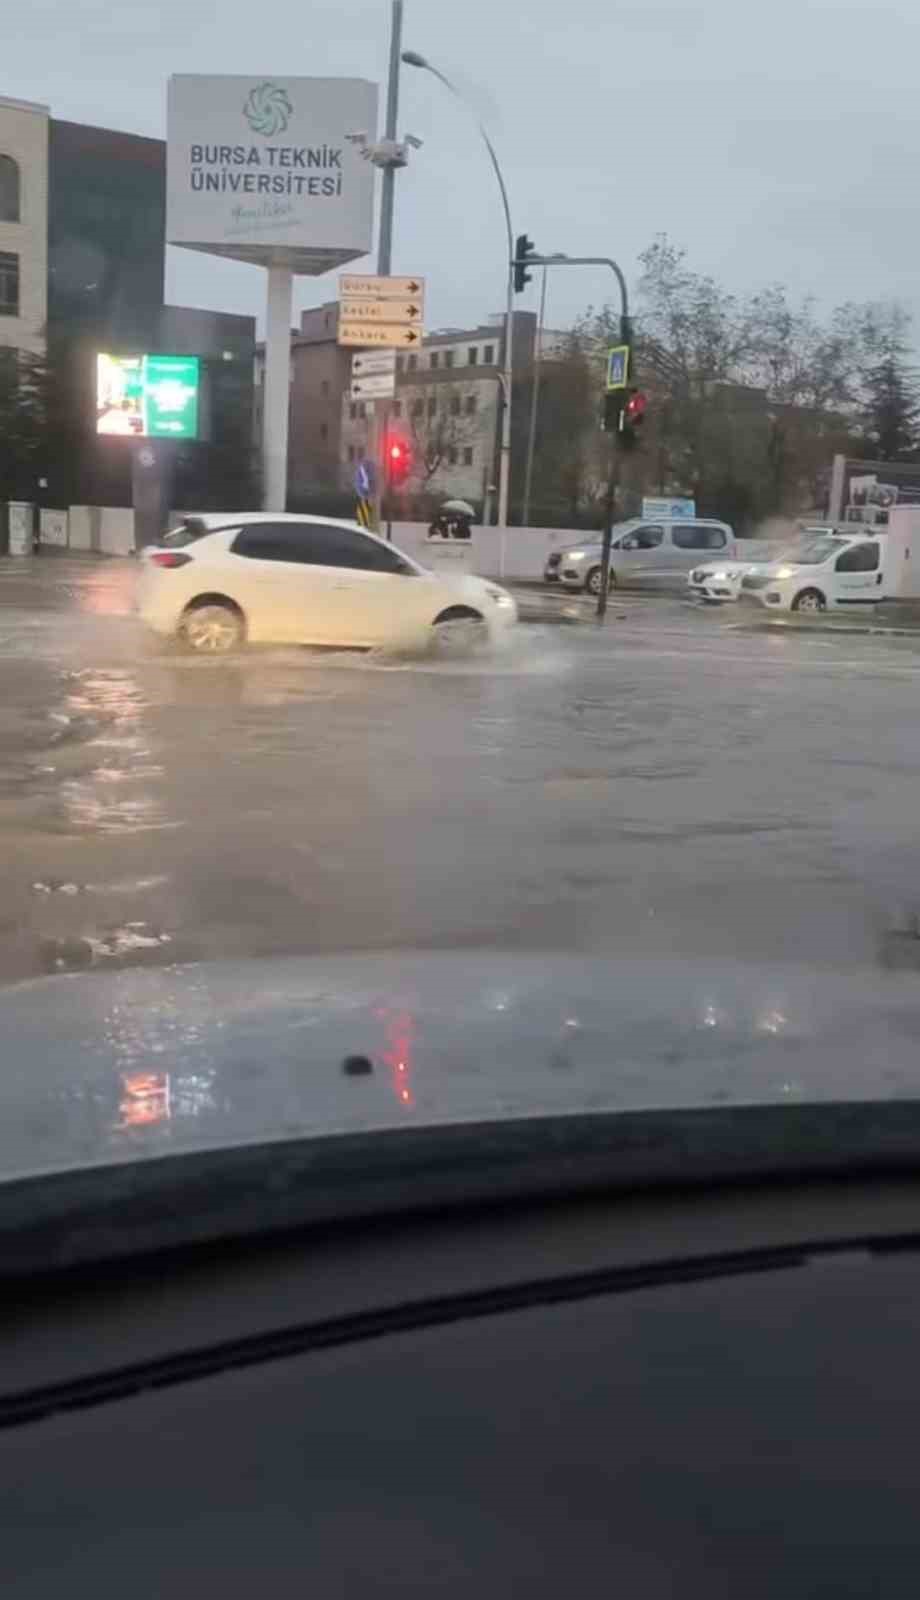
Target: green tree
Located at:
point(23, 422)
point(891, 396)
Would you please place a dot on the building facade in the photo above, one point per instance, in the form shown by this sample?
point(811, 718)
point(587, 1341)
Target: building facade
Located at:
point(447, 406)
point(23, 224)
point(82, 267)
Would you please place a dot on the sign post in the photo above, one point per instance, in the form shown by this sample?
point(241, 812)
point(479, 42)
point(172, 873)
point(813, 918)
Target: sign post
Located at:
point(379, 315)
point(261, 170)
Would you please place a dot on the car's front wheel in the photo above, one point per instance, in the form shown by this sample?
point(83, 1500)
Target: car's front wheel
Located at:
point(458, 630)
point(809, 600)
point(212, 628)
point(593, 580)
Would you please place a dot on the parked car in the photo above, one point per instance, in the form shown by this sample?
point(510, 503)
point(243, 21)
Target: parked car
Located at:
point(226, 579)
point(647, 555)
point(832, 570)
point(720, 581)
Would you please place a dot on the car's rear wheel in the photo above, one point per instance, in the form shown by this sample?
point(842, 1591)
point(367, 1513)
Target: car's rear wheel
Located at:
point(213, 628)
point(810, 600)
point(593, 580)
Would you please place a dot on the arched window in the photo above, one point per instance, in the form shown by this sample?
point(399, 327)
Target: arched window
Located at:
point(9, 189)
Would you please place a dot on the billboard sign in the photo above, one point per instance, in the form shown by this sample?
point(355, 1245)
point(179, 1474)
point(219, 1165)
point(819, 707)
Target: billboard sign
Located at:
point(148, 397)
point(667, 510)
point(264, 169)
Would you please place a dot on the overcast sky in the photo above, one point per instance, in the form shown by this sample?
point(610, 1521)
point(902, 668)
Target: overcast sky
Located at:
point(775, 142)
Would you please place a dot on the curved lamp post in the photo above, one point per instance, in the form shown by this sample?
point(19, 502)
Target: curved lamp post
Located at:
point(413, 59)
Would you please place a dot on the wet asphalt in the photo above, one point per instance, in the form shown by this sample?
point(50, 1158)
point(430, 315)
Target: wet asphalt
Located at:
point(678, 782)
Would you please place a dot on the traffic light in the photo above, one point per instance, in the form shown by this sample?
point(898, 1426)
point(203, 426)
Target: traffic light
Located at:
point(632, 418)
point(398, 461)
point(523, 248)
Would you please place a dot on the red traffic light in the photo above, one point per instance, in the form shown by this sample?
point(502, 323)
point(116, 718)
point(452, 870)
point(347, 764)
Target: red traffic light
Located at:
point(636, 407)
point(398, 460)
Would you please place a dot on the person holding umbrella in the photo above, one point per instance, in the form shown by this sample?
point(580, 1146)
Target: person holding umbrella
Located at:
point(454, 521)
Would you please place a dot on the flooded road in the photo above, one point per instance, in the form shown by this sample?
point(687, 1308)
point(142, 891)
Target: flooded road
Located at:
point(675, 783)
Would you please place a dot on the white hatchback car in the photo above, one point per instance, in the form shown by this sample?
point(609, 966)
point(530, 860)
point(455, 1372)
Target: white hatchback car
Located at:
point(221, 580)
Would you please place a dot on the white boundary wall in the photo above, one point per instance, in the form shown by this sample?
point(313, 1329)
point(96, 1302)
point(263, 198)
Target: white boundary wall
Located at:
point(53, 529)
point(110, 531)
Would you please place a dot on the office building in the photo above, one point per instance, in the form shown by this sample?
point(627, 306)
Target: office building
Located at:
point(82, 266)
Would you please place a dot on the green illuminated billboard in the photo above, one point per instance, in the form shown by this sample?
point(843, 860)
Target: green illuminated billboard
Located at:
point(149, 397)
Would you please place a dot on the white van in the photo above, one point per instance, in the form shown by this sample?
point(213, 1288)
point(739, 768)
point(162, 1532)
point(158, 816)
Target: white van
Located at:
point(643, 555)
point(834, 570)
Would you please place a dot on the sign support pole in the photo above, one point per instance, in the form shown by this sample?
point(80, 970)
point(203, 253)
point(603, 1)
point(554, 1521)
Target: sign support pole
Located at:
point(277, 382)
point(381, 408)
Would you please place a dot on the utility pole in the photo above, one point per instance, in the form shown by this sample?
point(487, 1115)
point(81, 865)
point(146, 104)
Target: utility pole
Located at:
point(380, 409)
point(388, 194)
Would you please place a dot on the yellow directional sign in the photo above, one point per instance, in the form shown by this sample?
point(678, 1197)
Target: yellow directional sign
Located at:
point(369, 288)
point(388, 313)
point(382, 335)
point(405, 311)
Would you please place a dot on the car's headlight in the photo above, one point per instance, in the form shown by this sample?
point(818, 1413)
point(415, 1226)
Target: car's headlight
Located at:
point(717, 577)
point(784, 572)
point(575, 555)
point(500, 597)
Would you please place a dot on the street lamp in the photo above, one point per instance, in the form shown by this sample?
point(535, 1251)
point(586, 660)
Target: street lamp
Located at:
point(413, 59)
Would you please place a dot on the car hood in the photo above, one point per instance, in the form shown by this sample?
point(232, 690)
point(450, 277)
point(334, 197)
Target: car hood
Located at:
point(177, 1106)
point(771, 569)
point(103, 1068)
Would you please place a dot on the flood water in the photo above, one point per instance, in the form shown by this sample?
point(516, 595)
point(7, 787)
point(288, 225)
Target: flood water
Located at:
point(675, 783)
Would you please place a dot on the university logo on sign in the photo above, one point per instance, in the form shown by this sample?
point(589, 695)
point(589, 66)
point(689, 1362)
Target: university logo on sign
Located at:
point(268, 110)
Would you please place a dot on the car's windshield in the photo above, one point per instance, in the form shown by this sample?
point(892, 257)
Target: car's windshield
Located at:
point(350, 777)
point(814, 551)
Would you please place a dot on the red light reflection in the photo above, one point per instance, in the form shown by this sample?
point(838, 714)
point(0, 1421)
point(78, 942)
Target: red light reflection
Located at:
point(398, 1026)
point(145, 1099)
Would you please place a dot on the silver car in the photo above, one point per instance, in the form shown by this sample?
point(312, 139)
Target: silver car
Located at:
point(644, 555)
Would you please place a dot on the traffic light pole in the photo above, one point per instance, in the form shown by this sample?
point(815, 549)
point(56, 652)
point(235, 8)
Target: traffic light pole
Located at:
point(613, 483)
point(626, 337)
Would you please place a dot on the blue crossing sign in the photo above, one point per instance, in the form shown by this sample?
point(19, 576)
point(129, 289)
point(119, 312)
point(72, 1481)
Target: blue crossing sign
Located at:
point(617, 367)
point(364, 479)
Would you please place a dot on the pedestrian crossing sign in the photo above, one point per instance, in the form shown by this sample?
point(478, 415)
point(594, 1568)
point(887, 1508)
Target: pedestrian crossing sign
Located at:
point(617, 367)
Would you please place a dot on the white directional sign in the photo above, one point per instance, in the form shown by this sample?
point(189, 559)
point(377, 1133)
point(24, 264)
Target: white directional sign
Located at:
point(388, 313)
point(371, 363)
point(362, 287)
point(382, 386)
point(382, 335)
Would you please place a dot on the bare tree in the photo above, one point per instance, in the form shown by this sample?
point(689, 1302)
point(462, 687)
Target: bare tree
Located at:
point(441, 425)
